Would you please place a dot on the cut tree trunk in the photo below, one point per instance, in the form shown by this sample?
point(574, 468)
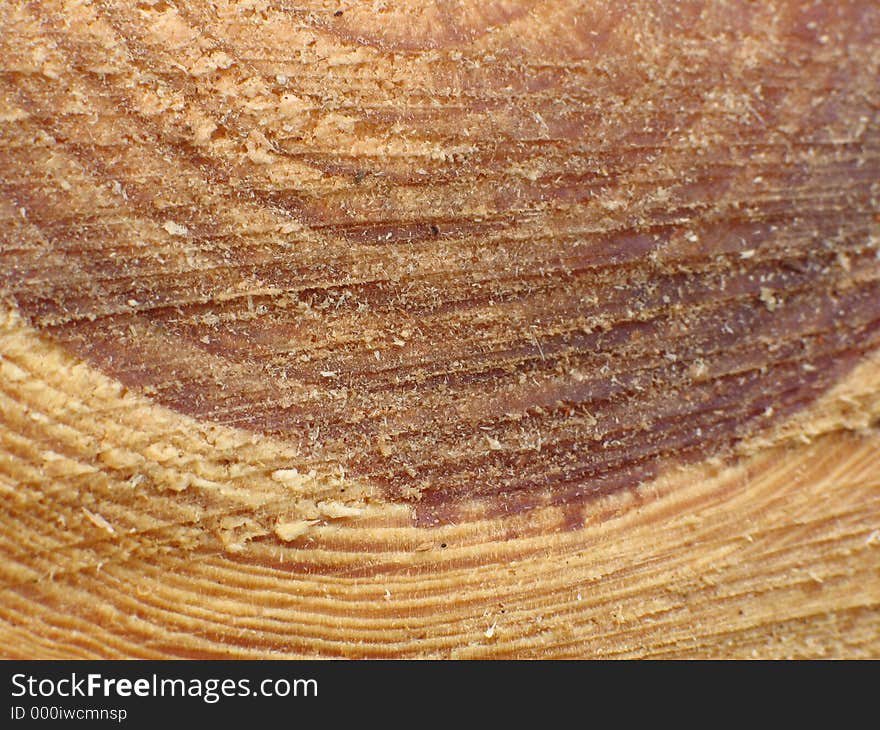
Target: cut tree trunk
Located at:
point(432, 329)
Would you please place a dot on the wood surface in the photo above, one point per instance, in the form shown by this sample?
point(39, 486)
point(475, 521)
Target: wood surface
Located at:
point(439, 329)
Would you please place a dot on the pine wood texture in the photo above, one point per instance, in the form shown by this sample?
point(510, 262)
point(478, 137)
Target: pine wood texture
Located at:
point(475, 329)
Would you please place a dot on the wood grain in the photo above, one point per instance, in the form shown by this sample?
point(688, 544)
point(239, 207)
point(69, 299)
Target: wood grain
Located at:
point(500, 329)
